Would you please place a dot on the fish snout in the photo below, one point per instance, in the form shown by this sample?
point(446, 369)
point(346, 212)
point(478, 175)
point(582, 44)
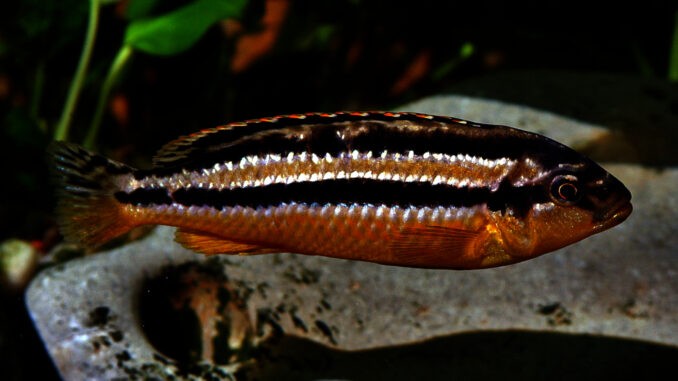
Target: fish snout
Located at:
point(614, 215)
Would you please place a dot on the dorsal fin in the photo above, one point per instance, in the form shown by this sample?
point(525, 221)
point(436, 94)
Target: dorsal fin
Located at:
point(294, 127)
point(181, 149)
point(212, 139)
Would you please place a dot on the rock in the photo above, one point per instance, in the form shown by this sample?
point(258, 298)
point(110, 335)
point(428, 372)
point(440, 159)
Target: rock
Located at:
point(567, 131)
point(18, 260)
point(125, 313)
point(641, 110)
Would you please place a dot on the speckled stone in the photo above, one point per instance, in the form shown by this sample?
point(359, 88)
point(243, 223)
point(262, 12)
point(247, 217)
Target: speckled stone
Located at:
point(620, 284)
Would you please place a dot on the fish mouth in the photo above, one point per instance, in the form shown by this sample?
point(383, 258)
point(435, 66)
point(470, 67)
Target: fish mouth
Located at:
point(615, 216)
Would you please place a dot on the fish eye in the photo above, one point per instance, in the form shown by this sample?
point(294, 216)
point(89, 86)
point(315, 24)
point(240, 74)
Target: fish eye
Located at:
point(565, 189)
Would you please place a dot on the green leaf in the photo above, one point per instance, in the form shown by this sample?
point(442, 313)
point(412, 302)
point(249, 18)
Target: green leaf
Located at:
point(22, 131)
point(177, 31)
point(139, 8)
point(466, 50)
point(673, 52)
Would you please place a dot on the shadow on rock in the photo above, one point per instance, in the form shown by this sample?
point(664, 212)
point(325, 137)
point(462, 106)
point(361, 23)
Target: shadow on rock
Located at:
point(505, 355)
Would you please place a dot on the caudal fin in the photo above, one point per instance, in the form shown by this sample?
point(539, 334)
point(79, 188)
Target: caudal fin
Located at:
point(87, 211)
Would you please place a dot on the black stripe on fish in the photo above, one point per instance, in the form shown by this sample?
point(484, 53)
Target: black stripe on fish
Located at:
point(144, 197)
point(232, 133)
point(334, 137)
point(347, 191)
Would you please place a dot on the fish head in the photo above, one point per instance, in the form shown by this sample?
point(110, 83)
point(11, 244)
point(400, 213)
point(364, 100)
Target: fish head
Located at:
point(581, 199)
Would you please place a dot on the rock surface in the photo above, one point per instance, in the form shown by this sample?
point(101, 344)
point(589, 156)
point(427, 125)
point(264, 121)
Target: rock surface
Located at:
point(618, 284)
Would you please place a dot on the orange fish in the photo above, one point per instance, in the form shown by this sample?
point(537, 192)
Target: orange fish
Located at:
point(393, 188)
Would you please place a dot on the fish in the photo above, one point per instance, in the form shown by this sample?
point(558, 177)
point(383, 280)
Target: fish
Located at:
point(395, 188)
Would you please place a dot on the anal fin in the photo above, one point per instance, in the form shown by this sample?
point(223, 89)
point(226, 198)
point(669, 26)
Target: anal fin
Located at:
point(210, 244)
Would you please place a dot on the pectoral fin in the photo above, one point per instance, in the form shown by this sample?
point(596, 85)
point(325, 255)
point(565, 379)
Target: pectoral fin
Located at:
point(210, 244)
point(433, 246)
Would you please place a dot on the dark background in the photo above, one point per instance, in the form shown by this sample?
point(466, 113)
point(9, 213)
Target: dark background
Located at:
point(603, 64)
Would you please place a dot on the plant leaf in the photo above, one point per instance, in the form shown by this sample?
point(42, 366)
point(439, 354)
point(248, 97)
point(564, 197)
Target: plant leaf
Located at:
point(177, 31)
point(139, 8)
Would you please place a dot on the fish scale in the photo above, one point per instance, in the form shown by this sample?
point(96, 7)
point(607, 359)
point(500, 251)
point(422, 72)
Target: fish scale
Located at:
point(393, 188)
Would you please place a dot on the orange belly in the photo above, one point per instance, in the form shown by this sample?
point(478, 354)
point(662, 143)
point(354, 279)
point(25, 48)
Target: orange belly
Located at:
point(418, 237)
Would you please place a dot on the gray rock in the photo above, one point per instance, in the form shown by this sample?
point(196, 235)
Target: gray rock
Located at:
point(565, 130)
point(621, 283)
point(641, 110)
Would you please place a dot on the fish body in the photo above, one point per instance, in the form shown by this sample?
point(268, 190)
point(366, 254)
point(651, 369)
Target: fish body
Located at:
point(402, 189)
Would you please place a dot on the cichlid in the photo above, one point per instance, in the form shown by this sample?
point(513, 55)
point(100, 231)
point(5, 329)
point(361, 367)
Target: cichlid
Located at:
point(401, 189)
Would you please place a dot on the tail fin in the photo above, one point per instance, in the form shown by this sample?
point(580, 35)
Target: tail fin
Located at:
point(87, 211)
